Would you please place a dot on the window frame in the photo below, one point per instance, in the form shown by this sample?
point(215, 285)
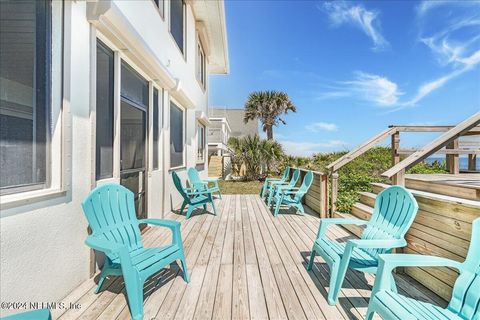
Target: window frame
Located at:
point(159, 99)
point(160, 12)
point(174, 103)
point(184, 12)
point(201, 66)
point(97, 176)
point(56, 168)
point(204, 142)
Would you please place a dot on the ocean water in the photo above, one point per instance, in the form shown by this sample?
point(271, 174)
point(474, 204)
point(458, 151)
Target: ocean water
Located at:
point(463, 161)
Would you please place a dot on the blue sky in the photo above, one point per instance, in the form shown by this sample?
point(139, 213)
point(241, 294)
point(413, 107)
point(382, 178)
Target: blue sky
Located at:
point(353, 68)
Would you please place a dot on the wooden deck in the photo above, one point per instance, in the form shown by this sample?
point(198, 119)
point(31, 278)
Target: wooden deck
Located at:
point(243, 263)
point(463, 185)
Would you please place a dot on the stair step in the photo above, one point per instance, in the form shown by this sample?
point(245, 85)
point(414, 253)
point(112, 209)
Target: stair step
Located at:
point(444, 188)
point(362, 211)
point(367, 198)
point(356, 230)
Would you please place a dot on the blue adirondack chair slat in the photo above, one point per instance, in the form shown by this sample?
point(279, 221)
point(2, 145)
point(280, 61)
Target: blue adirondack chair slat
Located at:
point(287, 195)
point(465, 301)
point(110, 211)
point(274, 185)
point(193, 197)
point(394, 211)
point(269, 181)
point(202, 184)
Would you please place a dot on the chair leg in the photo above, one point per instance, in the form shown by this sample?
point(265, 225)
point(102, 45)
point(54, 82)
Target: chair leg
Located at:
point(205, 207)
point(189, 211)
point(270, 197)
point(213, 207)
point(277, 207)
point(340, 272)
point(186, 277)
point(183, 207)
point(300, 208)
point(134, 289)
point(332, 297)
point(370, 311)
point(219, 194)
point(312, 259)
point(103, 276)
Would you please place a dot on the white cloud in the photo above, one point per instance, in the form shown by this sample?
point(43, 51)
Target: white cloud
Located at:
point(304, 149)
point(375, 88)
point(340, 12)
point(318, 126)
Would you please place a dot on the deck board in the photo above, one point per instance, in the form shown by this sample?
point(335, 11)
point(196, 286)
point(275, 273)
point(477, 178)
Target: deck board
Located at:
point(243, 263)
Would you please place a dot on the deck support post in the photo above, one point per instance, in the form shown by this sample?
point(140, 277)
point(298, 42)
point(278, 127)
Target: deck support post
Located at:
point(333, 207)
point(395, 148)
point(472, 162)
point(453, 161)
point(399, 178)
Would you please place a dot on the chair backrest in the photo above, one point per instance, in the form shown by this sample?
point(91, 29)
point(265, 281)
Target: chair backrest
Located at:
point(178, 184)
point(306, 183)
point(295, 177)
point(286, 174)
point(393, 214)
point(110, 211)
point(466, 292)
point(194, 177)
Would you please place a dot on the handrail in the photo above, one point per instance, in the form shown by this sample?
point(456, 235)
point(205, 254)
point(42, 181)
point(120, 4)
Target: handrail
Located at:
point(434, 146)
point(361, 149)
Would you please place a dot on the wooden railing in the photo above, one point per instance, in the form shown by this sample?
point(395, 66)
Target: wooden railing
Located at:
point(397, 172)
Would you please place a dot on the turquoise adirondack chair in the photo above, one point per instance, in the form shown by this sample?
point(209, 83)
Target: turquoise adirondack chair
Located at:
point(192, 197)
point(200, 184)
point(274, 186)
point(465, 302)
point(293, 196)
point(394, 212)
point(269, 181)
point(110, 211)
point(41, 314)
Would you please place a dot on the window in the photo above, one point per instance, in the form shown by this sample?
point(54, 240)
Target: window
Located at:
point(25, 96)
point(156, 127)
point(177, 21)
point(161, 7)
point(201, 65)
point(201, 143)
point(104, 113)
point(176, 136)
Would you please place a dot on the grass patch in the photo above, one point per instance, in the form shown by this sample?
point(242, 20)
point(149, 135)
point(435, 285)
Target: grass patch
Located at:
point(240, 187)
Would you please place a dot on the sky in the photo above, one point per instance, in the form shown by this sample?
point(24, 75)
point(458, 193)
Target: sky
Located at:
point(353, 68)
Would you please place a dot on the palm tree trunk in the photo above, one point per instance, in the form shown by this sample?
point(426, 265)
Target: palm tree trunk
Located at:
point(269, 133)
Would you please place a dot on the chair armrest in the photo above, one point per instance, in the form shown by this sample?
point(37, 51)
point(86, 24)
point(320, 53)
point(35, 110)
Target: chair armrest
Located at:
point(171, 224)
point(100, 244)
point(197, 193)
point(378, 243)
point(211, 180)
point(324, 223)
point(388, 262)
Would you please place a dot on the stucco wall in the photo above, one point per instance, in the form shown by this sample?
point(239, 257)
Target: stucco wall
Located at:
point(42, 253)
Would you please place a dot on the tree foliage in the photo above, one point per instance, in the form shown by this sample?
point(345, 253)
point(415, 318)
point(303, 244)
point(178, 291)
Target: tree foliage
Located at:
point(268, 107)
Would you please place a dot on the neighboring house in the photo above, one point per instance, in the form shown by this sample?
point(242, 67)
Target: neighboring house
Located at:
point(95, 92)
point(224, 124)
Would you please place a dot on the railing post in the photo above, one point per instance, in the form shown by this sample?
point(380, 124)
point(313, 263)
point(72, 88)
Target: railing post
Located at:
point(395, 147)
point(453, 162)
point(472, 162)
point(333, 207)
point(399, 178)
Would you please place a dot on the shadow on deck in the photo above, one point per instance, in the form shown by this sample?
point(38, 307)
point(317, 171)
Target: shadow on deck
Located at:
point(243, 263)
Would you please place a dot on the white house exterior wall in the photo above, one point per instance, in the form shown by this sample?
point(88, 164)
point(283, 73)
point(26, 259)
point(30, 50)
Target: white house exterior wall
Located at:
point(42, 252)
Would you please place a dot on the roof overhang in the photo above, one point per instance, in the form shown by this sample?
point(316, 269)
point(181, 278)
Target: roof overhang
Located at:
point(210, 21)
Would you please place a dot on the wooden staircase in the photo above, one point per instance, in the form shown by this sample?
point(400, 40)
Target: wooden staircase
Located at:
point(442, 227)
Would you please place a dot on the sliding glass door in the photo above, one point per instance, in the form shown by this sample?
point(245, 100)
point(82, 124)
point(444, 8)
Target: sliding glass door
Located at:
point(133, 137)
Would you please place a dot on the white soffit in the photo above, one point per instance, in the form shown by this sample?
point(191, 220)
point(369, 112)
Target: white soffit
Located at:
point(211, 15)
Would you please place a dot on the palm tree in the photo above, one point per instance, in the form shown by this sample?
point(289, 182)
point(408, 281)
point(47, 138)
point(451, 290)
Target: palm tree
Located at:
point(268, 106)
